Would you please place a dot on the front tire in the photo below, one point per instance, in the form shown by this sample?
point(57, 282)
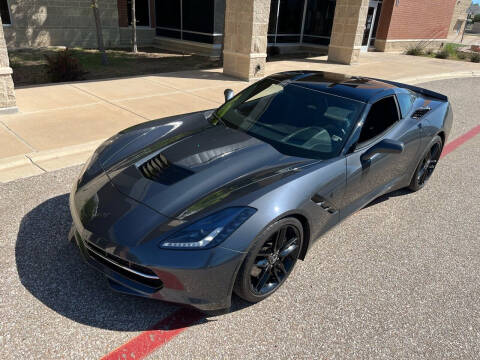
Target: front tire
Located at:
point(427, 165)
point(270, 261)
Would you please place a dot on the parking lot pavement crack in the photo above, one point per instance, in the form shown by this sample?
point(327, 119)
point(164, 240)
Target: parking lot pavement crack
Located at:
point(110, 102)
point(18, 137)
point(35, 164)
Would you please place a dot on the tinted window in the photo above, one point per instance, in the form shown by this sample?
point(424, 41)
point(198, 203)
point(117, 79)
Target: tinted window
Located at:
point(142, 12)
point(295, 120)
point(319, 17)
point(381, 116)
point(290, 17)
point(406, 102)
point(198, 16)
point(4, 12)
point(168, 13)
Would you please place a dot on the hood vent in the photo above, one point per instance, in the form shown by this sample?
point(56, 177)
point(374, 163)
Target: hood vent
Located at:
point(419, 113)
point(159, 169)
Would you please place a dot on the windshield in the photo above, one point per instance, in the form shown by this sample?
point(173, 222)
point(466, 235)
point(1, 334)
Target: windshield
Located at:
point(297, 121)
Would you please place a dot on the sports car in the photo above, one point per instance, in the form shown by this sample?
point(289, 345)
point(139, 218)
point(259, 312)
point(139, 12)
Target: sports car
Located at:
point(192, 208)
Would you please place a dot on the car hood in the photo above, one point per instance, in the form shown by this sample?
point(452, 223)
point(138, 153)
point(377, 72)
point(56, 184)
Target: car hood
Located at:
point(174, 164)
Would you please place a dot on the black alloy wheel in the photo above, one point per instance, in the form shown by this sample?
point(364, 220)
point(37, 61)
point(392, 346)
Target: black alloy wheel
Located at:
point(270, 261)
point(427, 165)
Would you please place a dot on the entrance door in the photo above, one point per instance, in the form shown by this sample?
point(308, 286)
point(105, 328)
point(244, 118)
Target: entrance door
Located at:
point(371, 25)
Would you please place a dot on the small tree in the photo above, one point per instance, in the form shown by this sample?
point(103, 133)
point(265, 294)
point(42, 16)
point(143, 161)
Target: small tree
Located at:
point(134, 29)
point(98, 25)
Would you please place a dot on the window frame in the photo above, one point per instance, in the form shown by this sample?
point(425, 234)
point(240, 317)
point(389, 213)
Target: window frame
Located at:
point(361, 146)
point(9, 15)
point(412, 95)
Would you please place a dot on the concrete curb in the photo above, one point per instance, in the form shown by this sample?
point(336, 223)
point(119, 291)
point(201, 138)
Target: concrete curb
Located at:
point(443, 76)
point(35, 163)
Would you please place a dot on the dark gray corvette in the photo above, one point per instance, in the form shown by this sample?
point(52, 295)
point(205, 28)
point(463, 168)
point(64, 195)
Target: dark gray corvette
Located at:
point(190, 208)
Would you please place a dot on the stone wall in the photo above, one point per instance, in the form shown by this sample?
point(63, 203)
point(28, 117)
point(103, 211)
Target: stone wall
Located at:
point(347, 31)
point(38, 23)
point(459, 18)
point(403, 45)
point(7, 94)
point(245, 45)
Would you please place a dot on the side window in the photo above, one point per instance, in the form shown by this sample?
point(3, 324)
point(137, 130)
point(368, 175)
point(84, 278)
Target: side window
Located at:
point(406, 102)
point(383, 114)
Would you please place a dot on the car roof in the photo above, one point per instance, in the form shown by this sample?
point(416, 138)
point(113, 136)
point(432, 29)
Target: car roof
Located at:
point(353, 87)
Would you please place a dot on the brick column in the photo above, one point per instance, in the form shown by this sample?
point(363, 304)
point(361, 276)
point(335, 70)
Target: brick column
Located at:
point(245, 44)
point(8, 103)
point(347, 31)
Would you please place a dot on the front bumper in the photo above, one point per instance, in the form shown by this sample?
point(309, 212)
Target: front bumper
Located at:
point(200, 278)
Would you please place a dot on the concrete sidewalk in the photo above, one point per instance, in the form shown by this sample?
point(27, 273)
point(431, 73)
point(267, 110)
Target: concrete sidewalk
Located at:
point(60, 125)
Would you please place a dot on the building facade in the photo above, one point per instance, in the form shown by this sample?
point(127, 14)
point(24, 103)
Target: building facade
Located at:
point(198, 25)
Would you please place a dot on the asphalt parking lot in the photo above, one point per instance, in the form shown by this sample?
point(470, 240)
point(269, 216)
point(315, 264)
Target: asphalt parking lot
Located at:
point(399, 279)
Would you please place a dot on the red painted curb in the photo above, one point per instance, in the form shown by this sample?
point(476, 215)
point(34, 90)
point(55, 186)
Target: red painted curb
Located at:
point(460, 140)
point(142, 345)
point(145, 343)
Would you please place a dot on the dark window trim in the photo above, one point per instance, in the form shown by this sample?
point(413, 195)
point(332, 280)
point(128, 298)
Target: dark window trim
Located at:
point(362, 146)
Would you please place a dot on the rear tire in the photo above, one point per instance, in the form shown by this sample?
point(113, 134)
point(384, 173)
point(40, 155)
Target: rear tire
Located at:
point(270, 260)
point(427, 164)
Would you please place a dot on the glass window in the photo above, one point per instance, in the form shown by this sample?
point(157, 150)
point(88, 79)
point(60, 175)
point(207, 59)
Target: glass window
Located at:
point(4, 12)
point(382, 115)
point(319, 17)
point(290, 17)
point(198, 16)
point(168, 13)
point(297, 121)
point(142, 12)
point(272, 23)
point(406, 102)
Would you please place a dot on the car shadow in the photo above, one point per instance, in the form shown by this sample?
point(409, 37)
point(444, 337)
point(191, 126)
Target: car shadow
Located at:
point(387, 196)
point(52, 270)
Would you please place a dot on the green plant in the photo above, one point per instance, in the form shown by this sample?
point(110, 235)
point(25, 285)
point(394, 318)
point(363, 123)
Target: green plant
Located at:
point(442, 54)
point(475, 57)
point(461, 55)
point(476, 18)
point(414, 50)
point(63, 66)
point(451, 49)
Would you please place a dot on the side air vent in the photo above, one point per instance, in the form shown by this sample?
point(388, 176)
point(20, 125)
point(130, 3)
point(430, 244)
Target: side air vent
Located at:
point(161, 170)
point(324, 204)
point(419, 113)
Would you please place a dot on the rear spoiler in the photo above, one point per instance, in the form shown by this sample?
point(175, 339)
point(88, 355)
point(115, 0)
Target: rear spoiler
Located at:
point(416, 89)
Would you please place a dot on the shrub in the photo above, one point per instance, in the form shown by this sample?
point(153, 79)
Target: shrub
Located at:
point(461, 55)
point(442, 54)
point(451, 49)
point(476, 18)
point(475, 57)
point(414, 50)
point(63, 66)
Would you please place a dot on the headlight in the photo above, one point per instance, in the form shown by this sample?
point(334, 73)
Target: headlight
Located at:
point(209, 231)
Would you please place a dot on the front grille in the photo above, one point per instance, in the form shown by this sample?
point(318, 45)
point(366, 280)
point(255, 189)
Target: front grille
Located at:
point(126, 268)
point(161, 170)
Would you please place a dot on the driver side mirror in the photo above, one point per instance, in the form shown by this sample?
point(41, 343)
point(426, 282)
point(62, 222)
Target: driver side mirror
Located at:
point(386, 146)
point(228, 94)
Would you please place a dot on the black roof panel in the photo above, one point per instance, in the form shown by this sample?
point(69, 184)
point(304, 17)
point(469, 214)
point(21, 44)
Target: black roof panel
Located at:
point(353, 87)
